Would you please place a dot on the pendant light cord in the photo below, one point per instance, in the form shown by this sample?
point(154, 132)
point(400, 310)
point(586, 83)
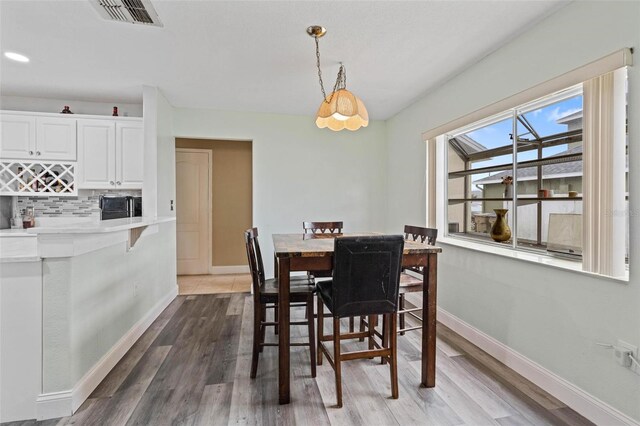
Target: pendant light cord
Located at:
point(341, 80)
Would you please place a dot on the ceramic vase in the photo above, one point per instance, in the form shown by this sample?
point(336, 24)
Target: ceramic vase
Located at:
point(500, 230)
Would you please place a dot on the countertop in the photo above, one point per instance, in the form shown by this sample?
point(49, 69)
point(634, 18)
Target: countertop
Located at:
point(100, 226)
point(15, 233)
point(64, 239)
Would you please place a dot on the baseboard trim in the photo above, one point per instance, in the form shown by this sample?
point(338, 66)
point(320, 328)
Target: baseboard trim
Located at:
point(61, 404)
point(53, 405)
point(584, 403)
point(223, 270)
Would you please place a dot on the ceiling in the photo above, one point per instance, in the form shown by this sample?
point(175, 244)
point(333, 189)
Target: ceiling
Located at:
point(254, 56)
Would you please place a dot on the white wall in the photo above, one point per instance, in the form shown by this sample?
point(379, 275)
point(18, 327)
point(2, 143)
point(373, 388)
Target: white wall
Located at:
point(552, 317)
point(91, 301)
point(21, 103)
point(166, 158)
point(20, 346)
point(159, 186)
point(301, 172)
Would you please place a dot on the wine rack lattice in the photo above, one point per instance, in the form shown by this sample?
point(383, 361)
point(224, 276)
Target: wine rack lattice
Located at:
point(37, 178)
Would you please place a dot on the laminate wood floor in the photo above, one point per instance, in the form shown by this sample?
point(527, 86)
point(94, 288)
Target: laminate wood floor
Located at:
point(191, 367)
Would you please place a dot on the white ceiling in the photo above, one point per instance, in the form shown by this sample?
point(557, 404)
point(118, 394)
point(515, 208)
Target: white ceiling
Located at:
point(254, 56)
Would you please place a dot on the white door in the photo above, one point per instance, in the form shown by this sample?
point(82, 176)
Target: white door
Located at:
point(129, 154)
point(96, 154)
point(192, 211)
point(17, 136)
point(55, 138)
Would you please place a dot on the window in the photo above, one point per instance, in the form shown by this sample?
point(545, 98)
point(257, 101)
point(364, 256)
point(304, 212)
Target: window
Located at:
point(530, 157)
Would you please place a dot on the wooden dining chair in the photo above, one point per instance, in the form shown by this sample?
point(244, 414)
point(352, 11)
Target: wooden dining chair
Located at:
point(365, 283)
point(322, 227)
point(265, 296)
point(410, 283)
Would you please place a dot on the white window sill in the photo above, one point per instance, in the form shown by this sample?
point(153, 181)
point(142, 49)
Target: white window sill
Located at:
point(526, 256)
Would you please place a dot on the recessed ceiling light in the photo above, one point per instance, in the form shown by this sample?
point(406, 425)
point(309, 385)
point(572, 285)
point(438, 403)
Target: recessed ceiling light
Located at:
point(16, 57)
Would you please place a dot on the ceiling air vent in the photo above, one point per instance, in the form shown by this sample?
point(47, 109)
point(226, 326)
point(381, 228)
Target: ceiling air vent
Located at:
point(132, 11)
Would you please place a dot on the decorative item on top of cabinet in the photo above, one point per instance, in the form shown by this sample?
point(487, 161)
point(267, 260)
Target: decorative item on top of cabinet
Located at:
point(66, 110)
point(110, 154)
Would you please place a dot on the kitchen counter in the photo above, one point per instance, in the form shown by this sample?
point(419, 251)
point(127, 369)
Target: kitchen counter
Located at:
point(101, 226)
point(55, 239)
point(75, 295)
point(15, 233)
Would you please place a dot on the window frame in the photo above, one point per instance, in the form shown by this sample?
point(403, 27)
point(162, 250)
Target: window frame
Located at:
point(511, 113)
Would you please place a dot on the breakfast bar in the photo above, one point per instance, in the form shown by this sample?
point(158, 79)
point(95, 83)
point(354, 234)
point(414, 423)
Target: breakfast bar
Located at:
point(83, 292)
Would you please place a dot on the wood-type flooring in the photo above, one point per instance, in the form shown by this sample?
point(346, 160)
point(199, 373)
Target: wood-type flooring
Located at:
point(191, 367)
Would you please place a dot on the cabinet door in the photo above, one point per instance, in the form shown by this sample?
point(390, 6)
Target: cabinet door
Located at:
point(129, 154)
point(96, 154)
point(17, 136)
point(56, 138)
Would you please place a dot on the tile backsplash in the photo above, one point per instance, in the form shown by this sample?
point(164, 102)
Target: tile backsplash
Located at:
point(86, 204)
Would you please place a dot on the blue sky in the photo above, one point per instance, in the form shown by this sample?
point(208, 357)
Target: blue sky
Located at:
point(543, 120)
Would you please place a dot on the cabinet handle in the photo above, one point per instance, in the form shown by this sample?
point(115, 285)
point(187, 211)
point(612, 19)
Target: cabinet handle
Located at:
point(118, 183)
point(30, 152)
point(37, 152)
point(111, 182)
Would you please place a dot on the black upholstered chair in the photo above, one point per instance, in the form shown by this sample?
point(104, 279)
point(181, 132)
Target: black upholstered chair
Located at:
point(413, 282)
point(265, 296)
point(366, 276)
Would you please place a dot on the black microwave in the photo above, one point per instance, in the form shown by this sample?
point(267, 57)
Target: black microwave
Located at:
point(118, 207)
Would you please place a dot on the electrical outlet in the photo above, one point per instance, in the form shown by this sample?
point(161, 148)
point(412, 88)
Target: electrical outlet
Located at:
point(622, 352)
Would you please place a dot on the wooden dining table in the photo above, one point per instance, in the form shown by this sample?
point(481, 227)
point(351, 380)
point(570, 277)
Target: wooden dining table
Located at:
point(309, 252)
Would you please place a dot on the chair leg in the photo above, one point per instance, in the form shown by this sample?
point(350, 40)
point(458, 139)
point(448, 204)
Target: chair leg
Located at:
point(275, 316)
point(263, 329)
point(320, 328)
point(385, 336)
point(372, 330)
point(336, 359)
point(401, 315)
point(393, 335)
point(257, 315)
point(352, 324)
point(361, 328)
point(312, 337)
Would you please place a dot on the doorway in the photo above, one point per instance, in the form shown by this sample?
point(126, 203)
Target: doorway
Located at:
point(231, 194)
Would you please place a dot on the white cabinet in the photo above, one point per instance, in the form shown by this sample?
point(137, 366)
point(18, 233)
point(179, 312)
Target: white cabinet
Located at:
point(30, 137)
point(96, 154)
point(129, 154)
point(17, 136)
point(110, 154)
point(55, 138)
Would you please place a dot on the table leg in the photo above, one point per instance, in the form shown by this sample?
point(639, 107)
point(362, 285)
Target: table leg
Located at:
point(275, 266)
point(283, 336)
point(429, 286)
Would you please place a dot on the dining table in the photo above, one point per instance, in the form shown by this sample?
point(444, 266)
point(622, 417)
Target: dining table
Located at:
point(314, 252)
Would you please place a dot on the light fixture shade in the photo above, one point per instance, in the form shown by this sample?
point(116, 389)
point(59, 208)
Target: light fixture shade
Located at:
point(344, 111)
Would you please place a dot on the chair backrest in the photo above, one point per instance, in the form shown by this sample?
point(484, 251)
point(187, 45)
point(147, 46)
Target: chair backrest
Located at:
point(254, 255)
point(418, 233)
point(322, 227)
point(366, 275)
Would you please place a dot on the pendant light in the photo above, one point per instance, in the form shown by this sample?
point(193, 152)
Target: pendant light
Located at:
point(341, 109)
